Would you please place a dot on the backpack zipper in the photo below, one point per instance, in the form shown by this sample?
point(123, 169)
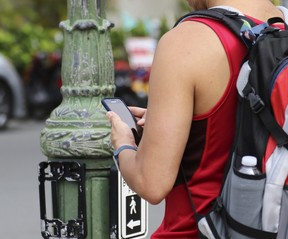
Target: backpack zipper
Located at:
point(281, 66)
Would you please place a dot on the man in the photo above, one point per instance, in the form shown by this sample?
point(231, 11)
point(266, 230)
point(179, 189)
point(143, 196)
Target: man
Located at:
point(190, 118)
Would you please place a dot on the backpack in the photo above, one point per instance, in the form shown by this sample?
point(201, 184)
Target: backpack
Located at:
point(254, 206)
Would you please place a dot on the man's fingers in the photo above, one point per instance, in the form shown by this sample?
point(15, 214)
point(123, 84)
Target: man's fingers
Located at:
point(137, 111)
point(141, 122)
point(112, 116)
point(139, 114)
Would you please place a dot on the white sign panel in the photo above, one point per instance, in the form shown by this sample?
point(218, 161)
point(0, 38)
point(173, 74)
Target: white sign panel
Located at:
point(140, 51)
point(133, 212)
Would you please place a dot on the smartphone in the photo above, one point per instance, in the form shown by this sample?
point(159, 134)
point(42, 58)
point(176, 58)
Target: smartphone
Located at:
point(120, 108)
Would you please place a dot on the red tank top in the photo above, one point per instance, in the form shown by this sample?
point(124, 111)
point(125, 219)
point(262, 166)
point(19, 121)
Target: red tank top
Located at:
point(207, 150)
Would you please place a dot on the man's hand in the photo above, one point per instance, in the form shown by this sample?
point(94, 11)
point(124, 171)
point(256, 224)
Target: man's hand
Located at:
point(139, 114)
point(121, 133)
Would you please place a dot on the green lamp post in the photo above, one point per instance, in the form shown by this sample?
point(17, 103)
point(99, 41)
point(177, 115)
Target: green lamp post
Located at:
point(76, 137)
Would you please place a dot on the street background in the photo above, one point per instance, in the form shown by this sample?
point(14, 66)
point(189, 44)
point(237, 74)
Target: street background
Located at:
point(20, 155)
point(33, 42)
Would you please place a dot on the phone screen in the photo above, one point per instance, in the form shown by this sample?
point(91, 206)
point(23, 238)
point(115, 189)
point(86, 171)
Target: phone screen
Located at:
point(119, 107)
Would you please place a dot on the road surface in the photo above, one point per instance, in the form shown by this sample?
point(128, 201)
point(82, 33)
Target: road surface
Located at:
point(20, 155)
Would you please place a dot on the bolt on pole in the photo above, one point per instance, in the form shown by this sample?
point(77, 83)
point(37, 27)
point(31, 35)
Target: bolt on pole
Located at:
point(76, 136)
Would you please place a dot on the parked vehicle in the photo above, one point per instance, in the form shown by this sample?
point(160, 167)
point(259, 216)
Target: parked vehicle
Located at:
point(12, 94)
point(43, 83)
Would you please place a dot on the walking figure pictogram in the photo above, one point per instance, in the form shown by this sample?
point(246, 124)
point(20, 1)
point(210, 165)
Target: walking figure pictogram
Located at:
point(132, 206)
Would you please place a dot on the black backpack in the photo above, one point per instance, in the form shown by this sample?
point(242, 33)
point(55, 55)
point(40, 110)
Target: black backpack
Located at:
point(254, 206)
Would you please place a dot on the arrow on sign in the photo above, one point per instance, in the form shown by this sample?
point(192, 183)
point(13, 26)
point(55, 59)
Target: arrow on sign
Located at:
point(133, 224)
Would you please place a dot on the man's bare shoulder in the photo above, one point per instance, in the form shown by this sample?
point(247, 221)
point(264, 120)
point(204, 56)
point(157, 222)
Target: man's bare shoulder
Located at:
point(190, 34)
point(190, 42)
point(197, 57)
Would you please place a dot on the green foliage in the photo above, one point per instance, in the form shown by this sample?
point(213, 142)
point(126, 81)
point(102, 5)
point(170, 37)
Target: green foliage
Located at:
point(30, 26)
point(139, 30)
point(163, 27)
point(184, 6)
point(19, 44)
point(118, 37)
point(26, 27)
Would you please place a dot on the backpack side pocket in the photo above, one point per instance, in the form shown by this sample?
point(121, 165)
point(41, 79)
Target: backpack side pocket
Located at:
point(283, 229)
point(238, 212)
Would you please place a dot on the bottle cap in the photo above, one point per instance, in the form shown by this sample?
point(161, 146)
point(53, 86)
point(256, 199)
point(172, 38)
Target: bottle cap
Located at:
point(249, 161)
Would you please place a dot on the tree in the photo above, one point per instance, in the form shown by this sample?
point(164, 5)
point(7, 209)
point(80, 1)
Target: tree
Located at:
point(26, 27)
point(47, 13)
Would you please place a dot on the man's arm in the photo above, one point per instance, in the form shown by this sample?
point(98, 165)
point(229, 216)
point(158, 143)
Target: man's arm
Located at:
point(183, 82)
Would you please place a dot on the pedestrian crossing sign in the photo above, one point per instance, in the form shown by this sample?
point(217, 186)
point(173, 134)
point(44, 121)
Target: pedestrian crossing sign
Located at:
point(132, 214)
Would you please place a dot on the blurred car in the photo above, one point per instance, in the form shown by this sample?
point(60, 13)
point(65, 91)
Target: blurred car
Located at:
point(43, 84)
point(12, 94)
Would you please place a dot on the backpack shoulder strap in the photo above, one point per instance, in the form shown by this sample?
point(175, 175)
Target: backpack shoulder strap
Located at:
point(231, 19)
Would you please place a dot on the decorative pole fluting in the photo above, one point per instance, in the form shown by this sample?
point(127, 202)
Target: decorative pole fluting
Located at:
point(77, 134)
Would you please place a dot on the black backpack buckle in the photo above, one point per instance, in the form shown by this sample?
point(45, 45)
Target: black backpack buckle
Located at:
point(256, 103)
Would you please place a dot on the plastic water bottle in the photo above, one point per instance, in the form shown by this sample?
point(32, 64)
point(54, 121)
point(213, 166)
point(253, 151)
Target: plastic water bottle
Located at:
point(249, 166)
